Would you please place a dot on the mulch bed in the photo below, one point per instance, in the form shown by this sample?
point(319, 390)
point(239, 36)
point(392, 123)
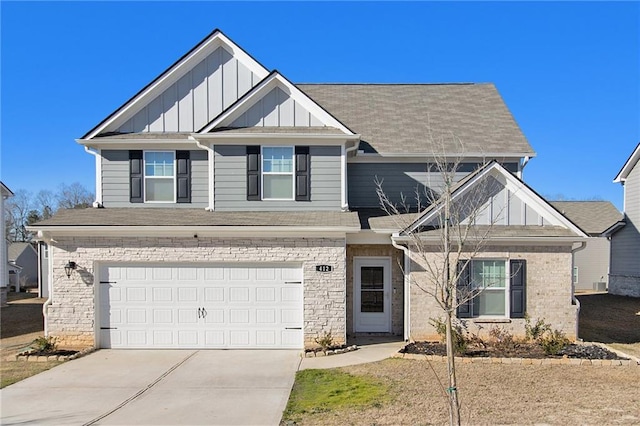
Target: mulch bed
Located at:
point(58, 352)
point(520, 350)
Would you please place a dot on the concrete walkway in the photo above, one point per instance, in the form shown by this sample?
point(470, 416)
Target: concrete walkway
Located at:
point(157, 387)
point(369, 350)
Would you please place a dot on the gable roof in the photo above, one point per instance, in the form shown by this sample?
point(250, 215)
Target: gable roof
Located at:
point(628, 166)
point(594, 217)
point(173, 74)
point(16, 249)
point(273, 80)
point(5, 190)
point(395, 119)
point(551, 216)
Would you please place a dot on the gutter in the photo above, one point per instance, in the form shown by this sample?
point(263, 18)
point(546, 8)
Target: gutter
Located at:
point(96, 153)
point(407, 287)
point(574, 299)
point(211, 171)
point(343, 172)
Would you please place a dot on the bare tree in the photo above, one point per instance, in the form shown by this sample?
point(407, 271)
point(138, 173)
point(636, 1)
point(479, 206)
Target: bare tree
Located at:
point(47, 203)
point(456, 226)
point(17, 213)
point(74, 196)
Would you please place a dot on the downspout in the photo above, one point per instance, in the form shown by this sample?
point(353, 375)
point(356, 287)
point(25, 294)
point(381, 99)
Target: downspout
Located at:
point(575, 300)
point(524, 163)
point(343, 167)
point(96, 153)
point(407, 287)
point(210, 164)
point(45, 305)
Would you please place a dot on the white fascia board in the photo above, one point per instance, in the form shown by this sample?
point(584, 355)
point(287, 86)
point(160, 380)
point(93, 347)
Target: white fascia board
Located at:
point(264, 87)
point(274, 138)
point(190, 231)
point(628, 166)
point(176, 72)
point(134, 143)
point(425, 158)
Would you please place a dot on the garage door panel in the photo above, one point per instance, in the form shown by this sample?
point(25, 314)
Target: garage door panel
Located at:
point(200, 306)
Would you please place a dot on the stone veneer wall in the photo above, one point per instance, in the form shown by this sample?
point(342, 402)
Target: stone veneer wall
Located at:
point(72, 312)
point(548, 293)
point(624, 285)
point(397, 282)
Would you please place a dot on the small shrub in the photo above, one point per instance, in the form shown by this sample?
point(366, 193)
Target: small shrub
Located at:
point(502, 340)
point(44, 344)
point(325, 341)
point(553, 342)
point(458, 337)
point(536, 331)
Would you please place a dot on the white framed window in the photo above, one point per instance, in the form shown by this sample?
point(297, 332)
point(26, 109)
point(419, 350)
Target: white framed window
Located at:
point(491, 279)
point(278, 168)
point(159, 177)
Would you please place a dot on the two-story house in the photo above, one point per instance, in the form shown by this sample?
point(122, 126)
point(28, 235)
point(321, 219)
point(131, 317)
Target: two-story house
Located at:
point(624, 275)
point(235, 209)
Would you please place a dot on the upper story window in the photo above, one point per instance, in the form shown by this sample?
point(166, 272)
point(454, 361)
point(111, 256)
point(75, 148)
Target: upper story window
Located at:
point(277, 173)
point(159, 176)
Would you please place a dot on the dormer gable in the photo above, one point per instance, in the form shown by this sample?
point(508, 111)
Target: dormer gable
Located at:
point(190, 93)
point(275, 102)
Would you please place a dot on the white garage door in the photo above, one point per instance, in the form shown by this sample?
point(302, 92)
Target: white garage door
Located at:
point(195, 306)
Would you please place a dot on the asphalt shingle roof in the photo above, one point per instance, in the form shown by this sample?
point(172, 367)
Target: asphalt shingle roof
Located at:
point(397, 118)
point(16, 249)
point(593, 217)
point(198, 217)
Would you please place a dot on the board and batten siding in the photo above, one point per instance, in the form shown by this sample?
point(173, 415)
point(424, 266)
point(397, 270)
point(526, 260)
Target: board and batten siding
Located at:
point(115, 181)
point(230, 181)
point(277, 109)
point(196, 98)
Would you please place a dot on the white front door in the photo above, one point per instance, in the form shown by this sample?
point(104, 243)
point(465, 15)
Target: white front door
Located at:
point(372, 298)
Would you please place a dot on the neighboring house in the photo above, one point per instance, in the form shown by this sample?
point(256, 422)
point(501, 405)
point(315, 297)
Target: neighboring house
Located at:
point(5, 193)
point(238, 210)
point(25, 256)
point(591, 258)
point(624, 275)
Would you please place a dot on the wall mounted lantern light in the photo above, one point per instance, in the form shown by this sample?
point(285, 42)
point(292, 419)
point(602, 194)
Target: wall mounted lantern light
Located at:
point(70, 266)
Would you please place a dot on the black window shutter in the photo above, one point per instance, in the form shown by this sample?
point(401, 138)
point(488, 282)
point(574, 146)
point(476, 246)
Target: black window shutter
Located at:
point(183, 177)
point(136, 177)
point(303, 184)
point(518, 288)
point(253, 173)
point(465, 310)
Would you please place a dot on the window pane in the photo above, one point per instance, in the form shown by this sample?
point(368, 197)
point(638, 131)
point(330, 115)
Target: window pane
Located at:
point(158, 163)
point(488, 273)
point(372, 301)
point(277, 160)
point(371, 277)
point(278, 186)
point(491, 302)
point(159, 190)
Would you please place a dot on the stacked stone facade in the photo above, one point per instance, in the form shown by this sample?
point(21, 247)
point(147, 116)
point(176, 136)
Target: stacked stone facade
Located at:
point(548, 292)
point(72, 313)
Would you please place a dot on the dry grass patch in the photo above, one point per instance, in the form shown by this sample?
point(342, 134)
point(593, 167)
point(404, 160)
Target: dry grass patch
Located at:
point(14, 371)
point(495, 394)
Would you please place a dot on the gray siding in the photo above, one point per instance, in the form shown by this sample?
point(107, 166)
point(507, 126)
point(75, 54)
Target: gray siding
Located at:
point(276, 108)
point(196, 98)
point(230, 181)
point(115, 181)
point(592, 263)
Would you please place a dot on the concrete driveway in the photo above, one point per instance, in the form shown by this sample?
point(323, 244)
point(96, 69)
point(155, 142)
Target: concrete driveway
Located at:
point(157, 387)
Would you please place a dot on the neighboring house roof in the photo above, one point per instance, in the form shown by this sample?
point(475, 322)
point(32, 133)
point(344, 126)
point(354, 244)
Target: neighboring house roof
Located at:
point(629, 165)
point(159, 217)
point(593, 217)
point(5, 190)
point(398, 118)
point(16, 250)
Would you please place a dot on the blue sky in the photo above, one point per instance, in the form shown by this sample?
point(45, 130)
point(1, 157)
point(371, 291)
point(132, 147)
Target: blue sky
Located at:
point(569, 72)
